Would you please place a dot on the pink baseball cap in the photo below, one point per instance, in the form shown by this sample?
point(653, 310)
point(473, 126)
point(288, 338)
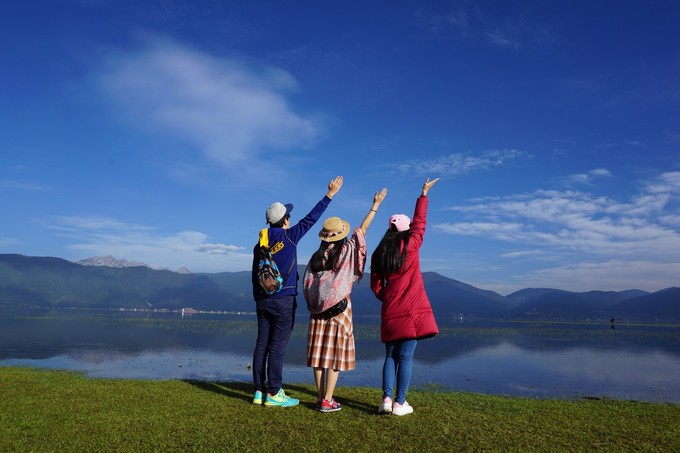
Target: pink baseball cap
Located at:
point(400, 221)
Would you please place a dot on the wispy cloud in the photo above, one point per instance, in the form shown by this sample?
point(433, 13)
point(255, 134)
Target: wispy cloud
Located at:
point(19, 185)
point(501, 38)
point(456, 20)
point(458, 164)
point(8, 242)
point(582, 230)
point(573, 220)
point(227, 109)
point(469, 21)
point(589, 176)
point(99, 236)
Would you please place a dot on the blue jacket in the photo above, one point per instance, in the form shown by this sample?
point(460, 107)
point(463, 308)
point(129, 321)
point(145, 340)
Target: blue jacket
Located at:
point(283, 245)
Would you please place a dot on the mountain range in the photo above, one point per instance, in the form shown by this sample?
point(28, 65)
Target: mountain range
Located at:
point(54, 282)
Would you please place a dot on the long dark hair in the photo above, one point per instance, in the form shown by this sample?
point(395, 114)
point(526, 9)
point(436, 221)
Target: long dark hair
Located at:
point(390, 254)
point(318, 264)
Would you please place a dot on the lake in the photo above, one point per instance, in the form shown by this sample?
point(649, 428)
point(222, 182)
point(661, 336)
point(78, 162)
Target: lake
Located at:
point(538, 360)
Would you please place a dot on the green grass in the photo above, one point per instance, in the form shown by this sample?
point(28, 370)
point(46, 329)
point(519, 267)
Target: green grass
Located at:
point(44, 411)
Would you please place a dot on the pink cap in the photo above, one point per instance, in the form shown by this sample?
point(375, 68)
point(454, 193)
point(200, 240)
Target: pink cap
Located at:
point(400, 221)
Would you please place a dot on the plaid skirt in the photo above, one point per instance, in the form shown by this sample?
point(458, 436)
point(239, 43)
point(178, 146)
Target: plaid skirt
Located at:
point(330, 342)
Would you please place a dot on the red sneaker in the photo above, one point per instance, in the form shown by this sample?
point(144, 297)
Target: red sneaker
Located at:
point(330, 406)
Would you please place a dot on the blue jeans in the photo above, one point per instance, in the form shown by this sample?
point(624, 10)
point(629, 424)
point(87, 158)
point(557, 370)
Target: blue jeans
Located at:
point(275, 321)
point(398, 364)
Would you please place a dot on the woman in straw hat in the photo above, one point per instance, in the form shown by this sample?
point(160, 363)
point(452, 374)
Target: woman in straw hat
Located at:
point(327, 284)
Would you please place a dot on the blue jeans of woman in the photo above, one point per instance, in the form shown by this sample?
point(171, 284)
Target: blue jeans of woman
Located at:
point(397, 368)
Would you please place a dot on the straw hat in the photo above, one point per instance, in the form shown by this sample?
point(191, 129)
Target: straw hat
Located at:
point(334, 229)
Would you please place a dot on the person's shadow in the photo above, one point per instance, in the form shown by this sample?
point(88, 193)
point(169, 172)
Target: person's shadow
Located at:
point(231, 389)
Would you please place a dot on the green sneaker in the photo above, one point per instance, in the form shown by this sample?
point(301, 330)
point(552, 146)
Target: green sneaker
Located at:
point(257, 399)
point(281, 400)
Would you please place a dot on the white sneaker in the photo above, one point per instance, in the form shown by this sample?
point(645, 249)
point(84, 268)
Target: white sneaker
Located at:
point(385, 406)
point(402, 409)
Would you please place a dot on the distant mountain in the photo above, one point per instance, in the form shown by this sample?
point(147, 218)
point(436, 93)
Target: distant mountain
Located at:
point(454, 299)
point(110, 261)
point(559, 304)
point(54, 282)
point(662, 305)
point(521, 296)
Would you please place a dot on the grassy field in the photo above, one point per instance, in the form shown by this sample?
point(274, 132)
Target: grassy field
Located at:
point(61, 411)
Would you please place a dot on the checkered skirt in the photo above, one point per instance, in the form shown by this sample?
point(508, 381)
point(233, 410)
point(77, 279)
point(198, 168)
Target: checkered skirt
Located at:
point(330, 342)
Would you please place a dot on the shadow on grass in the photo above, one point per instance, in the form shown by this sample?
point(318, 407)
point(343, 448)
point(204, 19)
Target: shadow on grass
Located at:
point(244, 391)
point(357, 405)
point(237, 390)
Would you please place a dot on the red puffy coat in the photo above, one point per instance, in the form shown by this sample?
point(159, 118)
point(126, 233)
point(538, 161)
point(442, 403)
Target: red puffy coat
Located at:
point(406, 311)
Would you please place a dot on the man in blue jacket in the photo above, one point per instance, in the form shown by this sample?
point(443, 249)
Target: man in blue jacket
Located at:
point(276, 313)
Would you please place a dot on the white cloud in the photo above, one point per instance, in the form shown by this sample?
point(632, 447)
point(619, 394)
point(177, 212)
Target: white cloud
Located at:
point(95, 223)
point(667, 183)
point(595, 240)
point(19, 185)
point(673, 220)
point(502, 39)
point(97, 236)
point(459, 21)
point(517, 30)
point(607, 275)
point(458, 164)
point(591, 175)
point(524, 254)
point(8, 242)
point(559, 223)
point(226, 109)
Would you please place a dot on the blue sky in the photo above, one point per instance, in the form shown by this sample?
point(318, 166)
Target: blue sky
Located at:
point(159, 131)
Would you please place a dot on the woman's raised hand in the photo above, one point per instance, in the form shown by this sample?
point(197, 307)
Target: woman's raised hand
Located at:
point(379, 197)
point(428, 185)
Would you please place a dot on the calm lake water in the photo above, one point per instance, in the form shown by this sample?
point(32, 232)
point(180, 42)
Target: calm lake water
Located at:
point(538, 360)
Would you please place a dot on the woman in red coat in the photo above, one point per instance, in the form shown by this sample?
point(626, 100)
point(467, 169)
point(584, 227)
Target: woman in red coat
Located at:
point(406, 315)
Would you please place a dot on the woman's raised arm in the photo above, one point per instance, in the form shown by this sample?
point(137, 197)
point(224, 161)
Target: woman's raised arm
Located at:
point(377, 199)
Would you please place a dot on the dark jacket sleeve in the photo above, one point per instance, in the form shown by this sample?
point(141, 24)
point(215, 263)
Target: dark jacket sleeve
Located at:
point(295, 233)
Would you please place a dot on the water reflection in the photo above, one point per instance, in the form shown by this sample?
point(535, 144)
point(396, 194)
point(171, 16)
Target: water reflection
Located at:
point(551, 360)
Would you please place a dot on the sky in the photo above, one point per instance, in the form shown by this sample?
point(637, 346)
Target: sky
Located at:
point(159, 131)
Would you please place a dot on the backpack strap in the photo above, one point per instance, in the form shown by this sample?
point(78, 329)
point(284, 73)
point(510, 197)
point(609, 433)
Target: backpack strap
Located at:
point(264, 237)
point(264, 242)
point(290, 270)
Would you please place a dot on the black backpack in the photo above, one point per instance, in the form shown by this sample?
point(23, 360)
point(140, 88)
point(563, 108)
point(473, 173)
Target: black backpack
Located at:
point(268, 274)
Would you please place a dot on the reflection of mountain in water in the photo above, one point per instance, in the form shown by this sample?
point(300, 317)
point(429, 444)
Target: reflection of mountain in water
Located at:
point(44, 334)
point(91, 335)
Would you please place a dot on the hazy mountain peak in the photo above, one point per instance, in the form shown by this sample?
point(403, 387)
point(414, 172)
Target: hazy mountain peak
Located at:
point(110, 261)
